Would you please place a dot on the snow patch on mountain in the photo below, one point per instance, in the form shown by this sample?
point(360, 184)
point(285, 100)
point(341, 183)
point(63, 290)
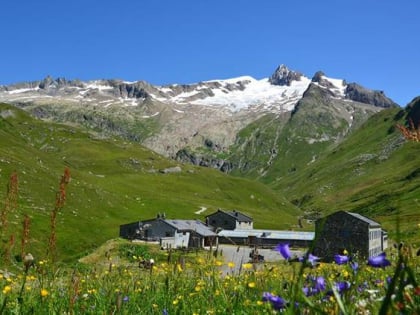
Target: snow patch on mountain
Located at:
point(238, 93)
point(258, 92)
point(336, 86)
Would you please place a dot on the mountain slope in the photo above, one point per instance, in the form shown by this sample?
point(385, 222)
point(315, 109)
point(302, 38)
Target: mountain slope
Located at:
point(375, 172)
point(278, 145)
point(197, 123)
point(113, 182)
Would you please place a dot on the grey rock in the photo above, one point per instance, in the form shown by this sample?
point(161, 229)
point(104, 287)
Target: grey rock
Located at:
point(358, 93)
point(319, 78)
point(284, 76)
point(175, 169)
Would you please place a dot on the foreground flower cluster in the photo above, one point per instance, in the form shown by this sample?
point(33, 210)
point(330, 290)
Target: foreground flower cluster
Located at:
point(196, 284)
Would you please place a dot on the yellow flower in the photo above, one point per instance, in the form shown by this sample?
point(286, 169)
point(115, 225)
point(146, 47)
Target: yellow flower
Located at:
point(251, 285)
point(7, 289)
point(260, 302)
point(218, 263)
point(247, 266)
point(44, 292)
point(345, 252)
point(231, 264)
point(179, 267)
point(175, 302)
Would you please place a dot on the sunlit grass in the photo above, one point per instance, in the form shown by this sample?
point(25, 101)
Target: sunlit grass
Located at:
point(193, 283)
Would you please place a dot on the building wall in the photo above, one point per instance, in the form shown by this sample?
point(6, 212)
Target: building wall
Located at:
point(179, 240)
point(244, 225)
point(375, 241)
point(149, 230)
point(341, 231)
point(222, 220)
point(130, 230)
point(384, 240)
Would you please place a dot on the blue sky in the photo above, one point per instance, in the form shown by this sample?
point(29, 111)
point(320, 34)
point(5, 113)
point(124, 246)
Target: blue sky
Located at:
point(374, 43)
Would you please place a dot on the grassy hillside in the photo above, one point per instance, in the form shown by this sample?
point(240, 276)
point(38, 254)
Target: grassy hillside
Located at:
point(113, 182)
point(277, 146)
point(375, 172)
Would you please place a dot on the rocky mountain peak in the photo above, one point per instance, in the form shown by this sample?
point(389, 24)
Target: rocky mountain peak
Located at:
point(283, 76)
point(358, 93)
point(318, 76)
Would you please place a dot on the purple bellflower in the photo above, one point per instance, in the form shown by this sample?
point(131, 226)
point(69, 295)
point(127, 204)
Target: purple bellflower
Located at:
point(379, 261)
point(284, 250)
point(341, 259)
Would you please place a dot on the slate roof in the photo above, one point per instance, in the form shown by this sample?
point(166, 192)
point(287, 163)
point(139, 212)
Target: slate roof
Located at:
point(191, 225)
point(364, 219)
point(269, 234)
point(239, 216)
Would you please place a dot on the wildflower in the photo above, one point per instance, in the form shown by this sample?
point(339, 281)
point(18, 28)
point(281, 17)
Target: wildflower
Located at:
point(28, 261)
point(342, 286)
point(379, 261)
point(126, 299)
point(320, 283)
point(341, 259)
point(44, 292)
point(277, 302)
point(247, 266)
point(231, 264)
point(312, 259)
point(284, 250)
point(251, 285)
point(7, 289)
point(354, 265)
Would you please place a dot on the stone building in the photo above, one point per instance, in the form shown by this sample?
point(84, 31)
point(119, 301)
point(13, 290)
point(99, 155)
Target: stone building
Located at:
point(170, 233)
point(229, 220)
point(349, 231)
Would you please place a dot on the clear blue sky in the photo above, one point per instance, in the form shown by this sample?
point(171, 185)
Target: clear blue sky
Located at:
point(374, 43)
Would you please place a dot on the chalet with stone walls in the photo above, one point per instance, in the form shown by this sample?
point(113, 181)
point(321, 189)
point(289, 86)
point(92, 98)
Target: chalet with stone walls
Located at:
point(170, 233)
point(230, 220)
point(349, 231)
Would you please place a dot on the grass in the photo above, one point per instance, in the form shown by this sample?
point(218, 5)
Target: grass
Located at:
point(373, 172)
point(193, 283)
point(113, 182)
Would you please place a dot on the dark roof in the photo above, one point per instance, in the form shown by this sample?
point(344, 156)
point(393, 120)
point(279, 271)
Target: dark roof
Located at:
point(364, 219)
point(239, 216)
point(191, 225)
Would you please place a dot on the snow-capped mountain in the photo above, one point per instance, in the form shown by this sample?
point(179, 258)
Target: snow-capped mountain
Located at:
point(171, 118)
point(236, 94)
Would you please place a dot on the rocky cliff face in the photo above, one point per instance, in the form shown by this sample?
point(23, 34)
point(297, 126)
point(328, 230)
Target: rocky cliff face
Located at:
point(357, 93)
point(284, 76)
point(181, 121)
